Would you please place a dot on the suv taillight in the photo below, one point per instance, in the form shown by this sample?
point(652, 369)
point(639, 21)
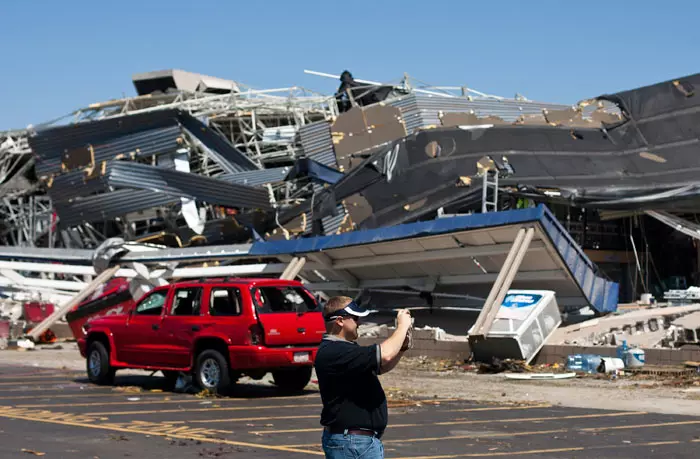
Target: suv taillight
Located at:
point(255, 334)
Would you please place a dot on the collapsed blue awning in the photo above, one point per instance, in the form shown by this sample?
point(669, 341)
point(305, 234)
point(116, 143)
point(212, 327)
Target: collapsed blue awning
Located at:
point(457, 257)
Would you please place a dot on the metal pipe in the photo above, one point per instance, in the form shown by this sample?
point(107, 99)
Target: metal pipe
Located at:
point(76, 300)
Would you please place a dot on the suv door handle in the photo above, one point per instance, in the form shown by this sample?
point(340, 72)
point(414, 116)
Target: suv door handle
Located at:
point(301, 330)
point(196, 328)
point(155, 326)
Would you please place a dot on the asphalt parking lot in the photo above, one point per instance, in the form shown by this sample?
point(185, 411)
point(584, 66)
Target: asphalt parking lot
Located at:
point(58, 414)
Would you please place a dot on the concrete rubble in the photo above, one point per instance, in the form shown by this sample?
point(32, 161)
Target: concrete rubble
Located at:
point(646, 328)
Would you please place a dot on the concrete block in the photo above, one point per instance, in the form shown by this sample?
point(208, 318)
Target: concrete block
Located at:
point(424, 334)
point(652, 356)
point(692, 355)
point(665, 356)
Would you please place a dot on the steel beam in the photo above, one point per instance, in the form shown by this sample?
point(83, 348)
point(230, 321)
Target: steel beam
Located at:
point(76, 300)
point(503, 282)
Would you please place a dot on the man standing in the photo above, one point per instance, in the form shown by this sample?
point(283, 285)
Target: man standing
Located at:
point(354, 412)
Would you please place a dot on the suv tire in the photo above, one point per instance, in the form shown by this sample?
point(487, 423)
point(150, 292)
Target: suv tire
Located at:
point(294, 380)
point(212, 371)
point(98, 368)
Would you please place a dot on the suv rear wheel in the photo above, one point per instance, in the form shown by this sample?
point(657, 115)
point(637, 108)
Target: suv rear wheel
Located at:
point(294, 380)
point(98, 369)
point(211, 371)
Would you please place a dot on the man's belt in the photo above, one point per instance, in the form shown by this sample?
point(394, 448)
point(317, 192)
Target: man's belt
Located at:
point(369, 433)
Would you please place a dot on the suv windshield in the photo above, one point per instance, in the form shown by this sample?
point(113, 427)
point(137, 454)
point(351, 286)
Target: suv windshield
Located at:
point(283, 299)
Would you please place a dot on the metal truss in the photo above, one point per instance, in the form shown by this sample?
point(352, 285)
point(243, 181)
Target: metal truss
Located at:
point(26, 220)
point(14, 149)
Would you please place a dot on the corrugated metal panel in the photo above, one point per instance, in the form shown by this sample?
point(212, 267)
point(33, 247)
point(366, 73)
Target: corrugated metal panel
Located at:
point(150, 132)
point(108, 206)
point(257, 178)
point(422, 110)
point(182, 184)
point(601, 294)
point(73, 184)
point(331, 224)
point(224, 153)
point(317, 142)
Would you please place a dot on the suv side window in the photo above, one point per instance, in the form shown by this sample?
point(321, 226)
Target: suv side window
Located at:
point(225, 301)
point(283, 299)
point(187, 302)
point(152, 305)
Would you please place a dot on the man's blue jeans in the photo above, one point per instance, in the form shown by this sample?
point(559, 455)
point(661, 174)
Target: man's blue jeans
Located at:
point(340, 446)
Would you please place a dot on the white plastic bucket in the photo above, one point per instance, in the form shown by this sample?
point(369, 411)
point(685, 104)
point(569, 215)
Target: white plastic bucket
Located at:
point(612, 364)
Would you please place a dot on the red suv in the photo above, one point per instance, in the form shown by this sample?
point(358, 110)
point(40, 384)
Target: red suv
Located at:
point(218, 330)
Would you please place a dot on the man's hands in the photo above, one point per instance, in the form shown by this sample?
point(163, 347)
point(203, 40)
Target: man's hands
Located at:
point(403, 321)
point(393, 347)
point(404, 318)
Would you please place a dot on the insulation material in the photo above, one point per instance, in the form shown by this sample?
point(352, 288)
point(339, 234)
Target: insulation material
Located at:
point(195, 220)
point(362, 129)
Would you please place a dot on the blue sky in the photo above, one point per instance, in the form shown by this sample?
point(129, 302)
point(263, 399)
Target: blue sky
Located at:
point(56, 56)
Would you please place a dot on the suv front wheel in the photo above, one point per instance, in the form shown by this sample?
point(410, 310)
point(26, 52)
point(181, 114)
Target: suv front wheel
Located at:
point(98, 368)
point(293, 380)
point(211, 371)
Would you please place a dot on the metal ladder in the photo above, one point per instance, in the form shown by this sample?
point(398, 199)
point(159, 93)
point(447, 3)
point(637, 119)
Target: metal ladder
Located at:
point(490, 179)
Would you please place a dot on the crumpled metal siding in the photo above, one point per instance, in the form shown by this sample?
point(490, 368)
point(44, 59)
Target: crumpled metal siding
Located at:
point(257, 178)
point(142, 135)
point(331, 224)
point(225, 154)
point(422, 110)
point(108, 206)
point(73, 184)
point(182, 184)
point(317, 143)
point(152, 131)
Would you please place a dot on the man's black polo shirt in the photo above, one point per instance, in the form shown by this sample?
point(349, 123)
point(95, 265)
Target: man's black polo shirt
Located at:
point(352, 395)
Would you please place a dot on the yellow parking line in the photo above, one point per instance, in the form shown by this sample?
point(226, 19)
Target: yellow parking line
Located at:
point(539, 432)
point(500, 453)
point(17, 383)
point(44, 376)
point(236, 408)
point(481, 421)
point(165, 402)
point(117, 413)
point(264, 418)
point(500, 408)
point(454, 437)
point(640, 426)
point(84, 387)
point(542, 451)
point(93, 395)
point(116, 428)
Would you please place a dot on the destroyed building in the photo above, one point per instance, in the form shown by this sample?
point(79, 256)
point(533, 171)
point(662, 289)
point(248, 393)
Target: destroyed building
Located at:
point(194, 161)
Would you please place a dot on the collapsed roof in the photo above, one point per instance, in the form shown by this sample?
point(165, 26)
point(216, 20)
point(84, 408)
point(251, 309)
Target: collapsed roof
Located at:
point(646, 159)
